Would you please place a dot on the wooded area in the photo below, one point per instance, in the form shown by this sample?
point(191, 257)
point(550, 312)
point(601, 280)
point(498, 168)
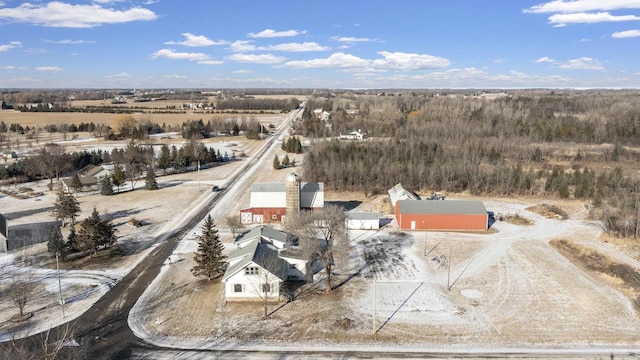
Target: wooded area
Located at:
point(559, 144)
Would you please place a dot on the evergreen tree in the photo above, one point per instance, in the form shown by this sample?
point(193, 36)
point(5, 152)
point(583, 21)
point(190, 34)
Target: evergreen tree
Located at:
point(285, 161)
point(106, 186)
point(72, 240)
point(164, 160)
point(95, 232)
point(76, 183)
point(150, 182)
point(118, 177)
point(56, 244)
point(210, 261)
point(66, 207)
point(276, 162)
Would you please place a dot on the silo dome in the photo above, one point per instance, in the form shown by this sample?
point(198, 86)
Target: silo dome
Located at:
point(293, 177)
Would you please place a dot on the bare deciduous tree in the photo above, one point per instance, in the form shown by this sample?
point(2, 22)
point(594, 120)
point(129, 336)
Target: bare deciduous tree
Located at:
point(234, 224)
point(324, 236)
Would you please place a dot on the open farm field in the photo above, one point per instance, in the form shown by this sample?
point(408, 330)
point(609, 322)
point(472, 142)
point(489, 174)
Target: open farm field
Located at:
point(41, 119)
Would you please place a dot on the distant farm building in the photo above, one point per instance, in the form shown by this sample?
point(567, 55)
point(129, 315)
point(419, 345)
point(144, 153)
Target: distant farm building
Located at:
point(16, 236)
point(461, 215)
point(270, 202)
point(362, 220)
point(397, 193)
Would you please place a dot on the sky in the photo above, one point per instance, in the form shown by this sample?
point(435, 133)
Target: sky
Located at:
point(345, 44)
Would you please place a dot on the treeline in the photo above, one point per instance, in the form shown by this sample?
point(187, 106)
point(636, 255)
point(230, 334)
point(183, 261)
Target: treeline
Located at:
point(284, 105)
point(52, 162)
point(592, 117)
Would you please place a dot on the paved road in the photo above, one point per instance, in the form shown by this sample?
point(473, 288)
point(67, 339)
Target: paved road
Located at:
point(104, 328)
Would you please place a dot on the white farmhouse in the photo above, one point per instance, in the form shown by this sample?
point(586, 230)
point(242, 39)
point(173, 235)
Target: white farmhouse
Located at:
point(351, 135)
point(262, 262)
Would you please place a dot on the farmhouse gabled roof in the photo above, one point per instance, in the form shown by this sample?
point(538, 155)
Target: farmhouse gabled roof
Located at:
point(444, 207)
point(294, 252)
point(262, 254)
point(89, 170)
point(84, 180)
point(265, 232)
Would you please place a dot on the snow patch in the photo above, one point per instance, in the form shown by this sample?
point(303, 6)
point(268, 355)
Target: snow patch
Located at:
point(471, 293)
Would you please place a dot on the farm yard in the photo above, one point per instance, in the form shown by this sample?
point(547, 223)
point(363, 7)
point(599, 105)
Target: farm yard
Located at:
point(509, 288)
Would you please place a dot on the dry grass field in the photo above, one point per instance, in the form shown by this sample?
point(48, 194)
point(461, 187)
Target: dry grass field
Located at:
point(41, 119)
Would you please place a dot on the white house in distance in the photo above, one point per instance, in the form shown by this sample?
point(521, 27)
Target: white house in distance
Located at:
point(262, 262)
point(352, 135)
point(90, 176)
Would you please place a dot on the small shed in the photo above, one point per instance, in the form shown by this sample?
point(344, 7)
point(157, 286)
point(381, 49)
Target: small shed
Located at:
point(362, 220)
point(454, 215)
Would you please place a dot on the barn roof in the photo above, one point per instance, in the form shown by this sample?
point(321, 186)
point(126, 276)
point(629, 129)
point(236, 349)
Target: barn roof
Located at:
point(281, 187)
point(362, 215)
point(448, 207)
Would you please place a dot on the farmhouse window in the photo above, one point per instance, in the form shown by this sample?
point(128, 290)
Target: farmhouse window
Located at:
point(237, 288)
point(251, 270)
point(266, 288)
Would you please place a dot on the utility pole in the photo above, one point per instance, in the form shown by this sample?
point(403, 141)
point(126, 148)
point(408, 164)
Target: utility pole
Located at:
point(449, 271)
point(198, 175)
point(60, 285)
point(374, 306)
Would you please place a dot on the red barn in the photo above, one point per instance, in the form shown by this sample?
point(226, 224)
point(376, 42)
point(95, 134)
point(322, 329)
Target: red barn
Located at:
point(447, 215)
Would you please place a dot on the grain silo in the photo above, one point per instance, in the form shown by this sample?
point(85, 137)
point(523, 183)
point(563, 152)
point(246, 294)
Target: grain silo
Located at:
point(292, 194)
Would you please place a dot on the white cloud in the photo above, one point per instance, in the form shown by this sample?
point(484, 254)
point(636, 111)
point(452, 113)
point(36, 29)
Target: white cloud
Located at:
point(337, 60)
point(242, 46)
point(296, 47)
point(406, 61)
point(584, 40)
point(351, 39)
point(588, 18)
point(257, 59)
point(35, 51)
point(70, 42)
point(269, 33)
point(242, 72)
point(210, 62)
point(196, 41)
point(174, 76)
point(172, 54)
point(626, 34)
point(60, 14)
point(49, 68)
point(122, 75)
point(544, 59)
point(11, 67)
point(563, 6)
point(499, 61)
point(10, 45)
point(583, 63)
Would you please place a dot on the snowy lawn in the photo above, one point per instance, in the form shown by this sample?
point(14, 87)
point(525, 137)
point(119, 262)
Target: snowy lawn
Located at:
point(504, 288)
